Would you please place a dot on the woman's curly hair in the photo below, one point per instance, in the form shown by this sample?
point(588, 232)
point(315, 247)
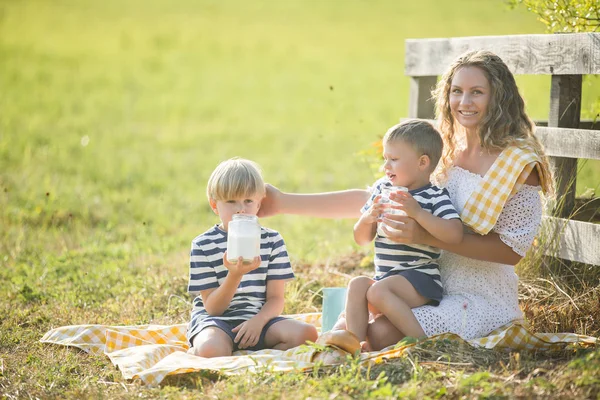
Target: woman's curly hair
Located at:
point(505, 122)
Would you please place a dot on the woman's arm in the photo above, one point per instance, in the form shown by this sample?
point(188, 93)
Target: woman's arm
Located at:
point(444, 230)
point(342, 204)
point(486, 248)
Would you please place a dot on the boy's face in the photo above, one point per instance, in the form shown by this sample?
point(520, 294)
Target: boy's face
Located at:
point(403, 166)
point(225, 209)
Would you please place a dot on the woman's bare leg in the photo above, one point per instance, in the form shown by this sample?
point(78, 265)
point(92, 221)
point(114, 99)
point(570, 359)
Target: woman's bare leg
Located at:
point(382, 333)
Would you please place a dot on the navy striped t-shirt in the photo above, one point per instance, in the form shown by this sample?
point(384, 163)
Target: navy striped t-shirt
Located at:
point(392, 257)
point(207, 272)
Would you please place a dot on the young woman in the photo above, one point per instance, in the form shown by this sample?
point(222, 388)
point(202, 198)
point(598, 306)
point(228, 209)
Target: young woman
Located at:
point(494, 168)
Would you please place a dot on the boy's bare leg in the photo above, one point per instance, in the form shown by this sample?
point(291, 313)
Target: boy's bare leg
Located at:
point(357, 307)
point(382, 333)
point(289, 333)
point(212, 342)
point(394, 296)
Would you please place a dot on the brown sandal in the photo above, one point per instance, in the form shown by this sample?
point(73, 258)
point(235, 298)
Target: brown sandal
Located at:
point(340, 344)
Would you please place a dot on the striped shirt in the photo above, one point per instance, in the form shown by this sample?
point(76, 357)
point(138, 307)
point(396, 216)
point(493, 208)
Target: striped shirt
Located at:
point(392, 257)
point(208, 272)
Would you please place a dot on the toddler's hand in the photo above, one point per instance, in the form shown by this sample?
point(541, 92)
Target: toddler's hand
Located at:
point(407, 203)
point(240, 267)
point(372, 215)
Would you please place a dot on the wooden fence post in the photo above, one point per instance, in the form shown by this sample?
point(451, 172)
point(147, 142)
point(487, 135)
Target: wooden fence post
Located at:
point(565, 111)
point(421, 105)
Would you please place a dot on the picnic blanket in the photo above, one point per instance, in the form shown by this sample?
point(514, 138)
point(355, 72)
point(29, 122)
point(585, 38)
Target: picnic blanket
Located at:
point(504, 178)
point(151, 352)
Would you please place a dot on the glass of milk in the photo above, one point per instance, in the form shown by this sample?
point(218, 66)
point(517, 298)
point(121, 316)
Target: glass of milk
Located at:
point(385, 199)
point(243, 238)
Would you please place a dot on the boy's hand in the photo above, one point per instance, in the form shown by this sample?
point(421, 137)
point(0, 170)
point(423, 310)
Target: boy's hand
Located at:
point(408, 204)
point(248, 332)
point(240, 267)
point(372, 215)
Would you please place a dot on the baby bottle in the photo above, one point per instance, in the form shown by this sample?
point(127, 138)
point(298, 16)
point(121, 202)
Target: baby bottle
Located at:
point(385, 199)
point(243, 238)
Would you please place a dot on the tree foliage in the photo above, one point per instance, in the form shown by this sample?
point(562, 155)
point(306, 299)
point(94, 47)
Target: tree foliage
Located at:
point(564, 15)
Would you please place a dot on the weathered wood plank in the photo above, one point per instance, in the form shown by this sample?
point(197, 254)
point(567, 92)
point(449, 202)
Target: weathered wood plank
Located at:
point(572, 143)
point(558, 54)
point(420, 103)
point(583, 124)
point(575, 240)
point(587, 210)
point(565, 111)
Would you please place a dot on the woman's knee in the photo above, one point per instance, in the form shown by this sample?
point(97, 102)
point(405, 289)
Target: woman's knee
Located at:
point(381, 334)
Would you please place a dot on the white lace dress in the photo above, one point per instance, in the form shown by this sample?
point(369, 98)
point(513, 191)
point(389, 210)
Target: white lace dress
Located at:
point(480, 296)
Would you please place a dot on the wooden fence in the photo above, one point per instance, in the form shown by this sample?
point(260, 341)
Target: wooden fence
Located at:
point(566, 57)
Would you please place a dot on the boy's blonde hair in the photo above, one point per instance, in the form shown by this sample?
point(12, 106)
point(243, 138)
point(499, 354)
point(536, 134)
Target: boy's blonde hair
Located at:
point(421, 135)
point(235, 178)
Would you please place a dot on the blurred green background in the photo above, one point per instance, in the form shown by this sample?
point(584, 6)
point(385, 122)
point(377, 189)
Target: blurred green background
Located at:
point(114, 113)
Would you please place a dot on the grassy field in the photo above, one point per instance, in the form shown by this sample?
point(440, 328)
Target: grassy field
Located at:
point(112, 116)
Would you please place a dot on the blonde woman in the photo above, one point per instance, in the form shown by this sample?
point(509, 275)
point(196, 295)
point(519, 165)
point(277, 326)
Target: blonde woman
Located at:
point(494, 168)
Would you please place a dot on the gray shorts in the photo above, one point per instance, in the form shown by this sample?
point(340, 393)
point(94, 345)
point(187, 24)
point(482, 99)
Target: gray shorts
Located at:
point(423, 283)
point(227, 328)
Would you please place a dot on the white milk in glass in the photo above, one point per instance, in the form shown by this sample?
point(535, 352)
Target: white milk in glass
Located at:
point(385, 199)
point(243, 238)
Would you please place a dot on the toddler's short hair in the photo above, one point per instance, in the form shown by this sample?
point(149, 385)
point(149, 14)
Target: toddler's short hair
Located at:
point(235, 178)
point(423, 136)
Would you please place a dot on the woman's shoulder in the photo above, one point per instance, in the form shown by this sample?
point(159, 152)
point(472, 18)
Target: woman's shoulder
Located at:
point(533, 179)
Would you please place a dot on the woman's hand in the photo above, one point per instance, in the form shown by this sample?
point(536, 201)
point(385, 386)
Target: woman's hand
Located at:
point(404, 229)
point(271, 203)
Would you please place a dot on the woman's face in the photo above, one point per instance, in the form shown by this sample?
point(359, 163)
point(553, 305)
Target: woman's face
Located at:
point(469, 97)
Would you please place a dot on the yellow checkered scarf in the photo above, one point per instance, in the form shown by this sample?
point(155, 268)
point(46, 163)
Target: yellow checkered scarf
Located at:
point(503, 179)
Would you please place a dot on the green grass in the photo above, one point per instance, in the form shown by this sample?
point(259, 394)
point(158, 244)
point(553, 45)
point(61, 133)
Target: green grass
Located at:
point(112, 116)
